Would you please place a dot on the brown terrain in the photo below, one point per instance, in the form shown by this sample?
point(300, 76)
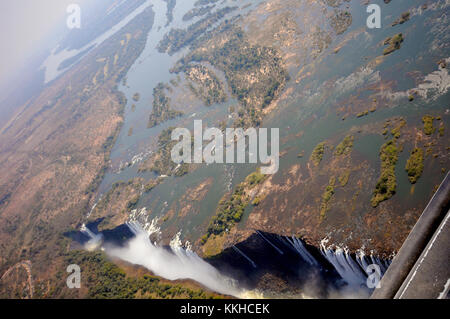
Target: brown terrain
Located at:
point(55, 150)
point(293, 201)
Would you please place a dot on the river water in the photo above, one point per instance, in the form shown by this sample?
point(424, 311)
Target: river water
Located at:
point(346, 69)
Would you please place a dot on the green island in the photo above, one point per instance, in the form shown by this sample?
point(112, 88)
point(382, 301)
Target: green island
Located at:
point(177, 39)
point(197, 12)
point(231, 207)
point(113, 207)
point(132, 203)
point(208, 88)
point(414, 165)
point(397, 125)
point(326, 197)
point(317, 154)
point(239, 61)
point(204, 2)
point(343, 179)
point(428, 127)
point(341, 20)
point(161, 107)
point(169, 14)
point(403, 18)
point(161, 162)
point(152, 184)
point(393, 43)
point(345, 147)
point(387, 183)
point(362, 114)
point(136, 97)
point(441, 129)
point(397, 128)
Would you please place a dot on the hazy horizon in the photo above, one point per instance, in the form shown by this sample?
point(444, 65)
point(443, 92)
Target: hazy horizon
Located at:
point(25, 29)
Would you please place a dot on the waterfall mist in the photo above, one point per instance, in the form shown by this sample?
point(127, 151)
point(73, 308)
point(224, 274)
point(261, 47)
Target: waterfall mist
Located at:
point(308, 272)
point(175, 263)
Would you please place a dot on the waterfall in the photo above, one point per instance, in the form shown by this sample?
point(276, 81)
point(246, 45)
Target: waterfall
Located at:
point(93, 207)
point(270, 243)
point(355, 273)
point(141, 219)
point(344, 265)
point(361, 259)
point(177, 263)
point(94, 240)
point(245, 256)
point(301, 249)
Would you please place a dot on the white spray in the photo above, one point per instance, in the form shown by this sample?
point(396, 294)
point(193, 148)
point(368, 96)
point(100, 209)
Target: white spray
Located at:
point(94, 240)
point(302, 251)
point(346, 267)
point(354, 273)
point(174, 264)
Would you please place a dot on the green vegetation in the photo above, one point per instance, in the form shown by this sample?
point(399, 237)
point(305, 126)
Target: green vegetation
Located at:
point(403, 18)
point(361, 114)
point(340, 20)
point(197, 12)
point(204, 2)
point(396, 130)
point(177, 39)
point(441, 129)
point(132, 203)
point(256, 201)
point(227, 49)
point(345, 147)
point(326, 197)
point(428, 127)
point(394, 43)
point(343, 179)
point(161, 109)
point(161, 162)
point(397, 124)
point(229, 212)
point(414, 165)
point(169, 13)
point(152, 184)
point(317, 154)
point(74, 161)
point(118, 188)
point(105, 280)
point(163, 165)
point(387, 183)
point(182, 170)
point(208, 87)
point(231, 207)
point(255, 178)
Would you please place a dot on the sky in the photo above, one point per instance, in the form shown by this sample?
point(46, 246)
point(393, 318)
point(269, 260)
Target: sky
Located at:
point(24, 24)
